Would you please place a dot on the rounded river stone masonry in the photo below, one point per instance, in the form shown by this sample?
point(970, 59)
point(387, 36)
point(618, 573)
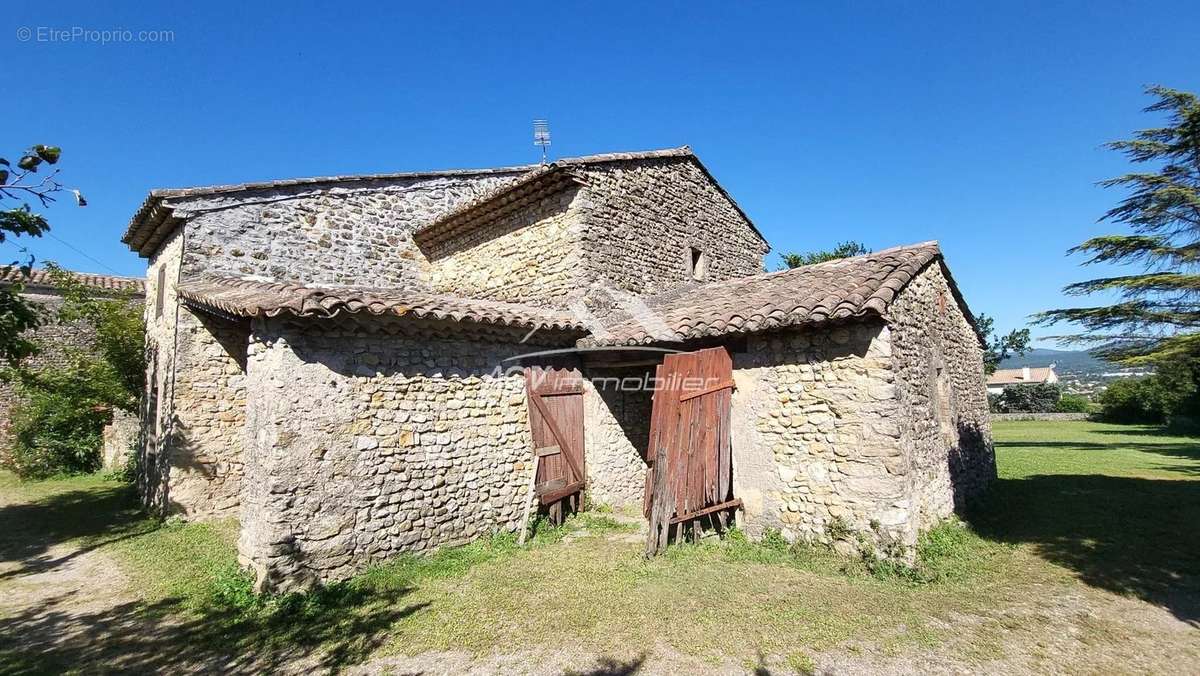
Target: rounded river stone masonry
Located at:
point(364, 446)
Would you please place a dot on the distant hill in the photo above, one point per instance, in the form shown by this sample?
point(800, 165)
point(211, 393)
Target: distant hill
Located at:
point(1076, 362)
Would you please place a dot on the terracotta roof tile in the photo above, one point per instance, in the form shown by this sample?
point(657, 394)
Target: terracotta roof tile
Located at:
point(841, 289)
point(250, 298)
point(42, 279)
point(1017, 376)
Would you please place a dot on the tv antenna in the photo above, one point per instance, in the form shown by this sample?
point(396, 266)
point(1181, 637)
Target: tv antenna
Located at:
point(541, 136)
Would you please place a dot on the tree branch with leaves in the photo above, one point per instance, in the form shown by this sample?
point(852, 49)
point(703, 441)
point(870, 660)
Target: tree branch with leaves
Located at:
point(1157, 310)
point(842, 250)
point(19, 185)
point(998, 348)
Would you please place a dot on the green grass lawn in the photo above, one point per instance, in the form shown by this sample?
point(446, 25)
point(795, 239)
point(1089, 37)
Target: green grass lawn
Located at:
point(1026, 448)
point(1117, 505)
point(1098, 507)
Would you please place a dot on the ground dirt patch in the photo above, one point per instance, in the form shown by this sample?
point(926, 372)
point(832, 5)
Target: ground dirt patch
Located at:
point(1081, 560)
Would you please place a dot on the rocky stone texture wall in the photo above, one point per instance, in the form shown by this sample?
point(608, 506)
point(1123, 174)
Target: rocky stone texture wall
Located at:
point(56, 339)
point(643, 218)
point(530, 256)
point(162, 274)
point(816, 435)
point(363, 446)
point(356, 233)
point(120, 440)
point(942, 396)
point(1040, 416)
point(203, 446)
point(616, 431)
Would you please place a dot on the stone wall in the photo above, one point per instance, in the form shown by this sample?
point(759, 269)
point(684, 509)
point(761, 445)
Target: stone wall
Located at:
point(120, 440)
point(643, 218)
point(162, 274)
point(616, 431)
point(816, 435)
point(357, 233)
point(1040, 416)
point(940, 382)
point(56, 339)
point(203, 448)
point(363, 446)
point(528, 256)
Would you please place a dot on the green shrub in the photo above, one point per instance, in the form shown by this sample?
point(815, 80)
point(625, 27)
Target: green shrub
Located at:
point(1042, 398)
point(59, 416)
point(994, 403)
point(773, 539)
point(1073, 403)
point(1131, 400)
point(59, 412)
point(1169, 396)
point(232, 586)
point(118, 323)
point(838, 529)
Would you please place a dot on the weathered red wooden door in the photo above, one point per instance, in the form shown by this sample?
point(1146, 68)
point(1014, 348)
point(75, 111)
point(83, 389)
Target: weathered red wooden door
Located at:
point(556, 423)
point(689, 431)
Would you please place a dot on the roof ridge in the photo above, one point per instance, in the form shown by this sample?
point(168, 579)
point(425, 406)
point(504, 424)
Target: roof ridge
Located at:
point(154, 207)
point(679, 151)
point(803, 269)
point(857, 286)
point(338, 290)
point(526, 186)
point(41, 277)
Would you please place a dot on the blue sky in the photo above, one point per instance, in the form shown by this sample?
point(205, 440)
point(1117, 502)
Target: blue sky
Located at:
point(976, 124)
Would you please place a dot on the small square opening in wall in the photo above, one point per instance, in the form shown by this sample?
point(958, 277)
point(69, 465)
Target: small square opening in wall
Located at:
point(697, 264)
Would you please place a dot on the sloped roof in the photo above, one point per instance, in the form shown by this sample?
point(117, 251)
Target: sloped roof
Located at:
point(1017, 376)
point(840, 289)
point(547, 180)
point(250, 298)
point(38, 278)
point(155, 218)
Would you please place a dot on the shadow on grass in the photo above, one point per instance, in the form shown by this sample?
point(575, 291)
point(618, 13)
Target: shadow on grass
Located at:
point(1126, 430)
point(94, 517)
point(325, 631)
point(1128, 535)
point(332, 627)
point(609, 666)
point(1185, 450)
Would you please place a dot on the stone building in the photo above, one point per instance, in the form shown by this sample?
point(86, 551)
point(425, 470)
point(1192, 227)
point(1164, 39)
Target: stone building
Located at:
point(56, 338)
point(349, 365)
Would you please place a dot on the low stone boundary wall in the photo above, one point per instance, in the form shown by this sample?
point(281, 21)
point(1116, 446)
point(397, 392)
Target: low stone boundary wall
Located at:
point(1040, 416)
point(119, 437)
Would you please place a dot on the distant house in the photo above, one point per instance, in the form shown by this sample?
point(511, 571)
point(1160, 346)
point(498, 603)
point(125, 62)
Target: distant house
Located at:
point(1003, 378)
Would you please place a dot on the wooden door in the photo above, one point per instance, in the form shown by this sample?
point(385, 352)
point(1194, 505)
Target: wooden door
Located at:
point(691, 472)
point(556, 423)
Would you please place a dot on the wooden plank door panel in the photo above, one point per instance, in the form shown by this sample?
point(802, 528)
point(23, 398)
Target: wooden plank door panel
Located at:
point(690, 432)
point(555, 398)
